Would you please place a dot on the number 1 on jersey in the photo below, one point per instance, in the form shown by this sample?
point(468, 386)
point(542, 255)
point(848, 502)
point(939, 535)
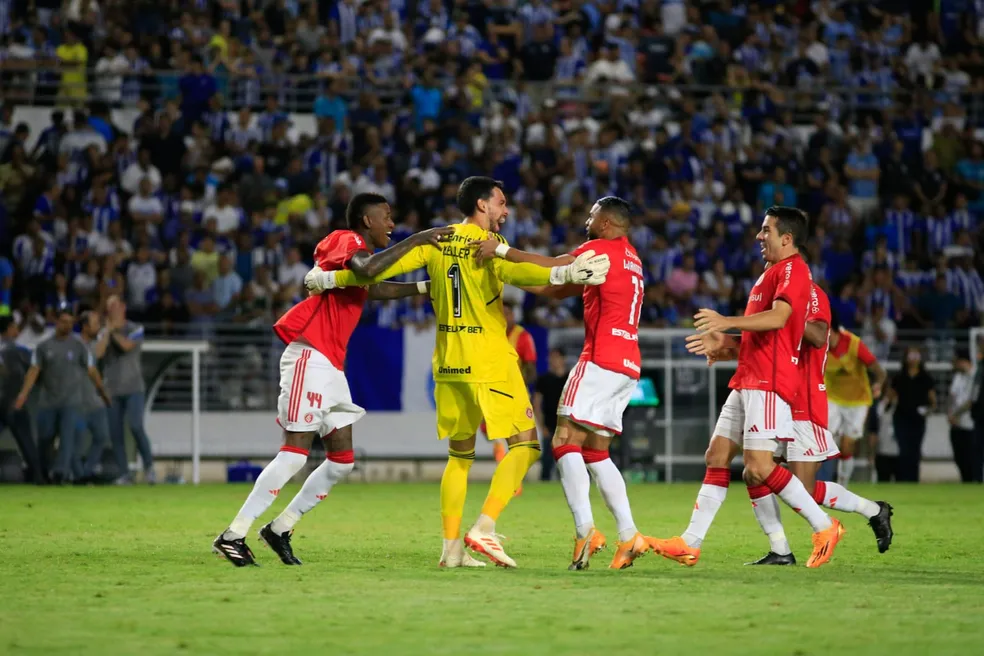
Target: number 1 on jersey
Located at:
point(454, 273)
point(635, 310)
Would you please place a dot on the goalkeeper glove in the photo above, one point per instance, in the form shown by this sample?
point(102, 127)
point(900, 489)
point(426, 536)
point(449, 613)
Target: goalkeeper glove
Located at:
point(587, 269)
point(318, 281)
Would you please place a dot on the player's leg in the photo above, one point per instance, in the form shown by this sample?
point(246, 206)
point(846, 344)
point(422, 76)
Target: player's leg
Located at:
point(724, 446)
point(878, 513)
point(458, 415)
point(765, 507)
point(297, 379)
point(567, 445)
point(768, 418)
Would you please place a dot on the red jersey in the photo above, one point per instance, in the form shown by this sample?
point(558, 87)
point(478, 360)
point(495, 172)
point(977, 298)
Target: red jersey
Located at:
point(612, 309)
point(326, 321)
point(811, 403)
point(769, 361)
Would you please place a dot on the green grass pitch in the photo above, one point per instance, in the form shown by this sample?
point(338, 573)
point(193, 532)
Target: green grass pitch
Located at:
point(129, 571)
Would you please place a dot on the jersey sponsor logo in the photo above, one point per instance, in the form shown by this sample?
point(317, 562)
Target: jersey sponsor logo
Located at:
point(625, 334)
point(629, 364)
point(454, 371)
point(471, 330)
point(755, 298)
point(634, 267)
point(314, 399)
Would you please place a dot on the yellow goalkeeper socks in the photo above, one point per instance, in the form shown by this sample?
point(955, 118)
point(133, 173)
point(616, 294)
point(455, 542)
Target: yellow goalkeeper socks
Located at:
point(509, 475)
point(454, 486)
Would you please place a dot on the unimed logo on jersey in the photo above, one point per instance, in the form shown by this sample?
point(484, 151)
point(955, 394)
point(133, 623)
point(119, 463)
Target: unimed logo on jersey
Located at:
point(629, 364)
point(452, 371)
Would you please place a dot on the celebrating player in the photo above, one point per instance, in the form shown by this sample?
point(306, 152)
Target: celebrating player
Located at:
point(811, 443)
point(765, 384)
point(314, 394)
point(598, 389)
point(854, 378)
point(476, 371)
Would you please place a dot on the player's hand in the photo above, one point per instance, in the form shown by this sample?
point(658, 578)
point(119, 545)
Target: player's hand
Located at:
point(710, 345)
point(710, 321)
point(433, 236)
point(587, 269)
point(316, 280)
point(484, 248)
point(876, 391)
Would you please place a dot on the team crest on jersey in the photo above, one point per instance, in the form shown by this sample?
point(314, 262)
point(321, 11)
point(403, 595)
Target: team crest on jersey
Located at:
point(529, 413)
point(759, 281)
point(308, 418)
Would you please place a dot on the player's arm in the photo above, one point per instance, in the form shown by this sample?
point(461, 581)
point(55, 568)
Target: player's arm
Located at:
point(365, 265)
point(815, 333)
point(486, 249)
point(586, 269)
point(29, 379)
point(128, 342)
point(876, 372)
point(416, 258)
point(707, 320)
point(716, 347)
point(385, 291)
point(560, 291)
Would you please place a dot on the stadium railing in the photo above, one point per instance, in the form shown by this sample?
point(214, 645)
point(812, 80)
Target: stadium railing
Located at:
point(40, 83)
point(237, 372)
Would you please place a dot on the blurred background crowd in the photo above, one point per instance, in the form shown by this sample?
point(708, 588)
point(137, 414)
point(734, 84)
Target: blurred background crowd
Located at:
point(198, 151)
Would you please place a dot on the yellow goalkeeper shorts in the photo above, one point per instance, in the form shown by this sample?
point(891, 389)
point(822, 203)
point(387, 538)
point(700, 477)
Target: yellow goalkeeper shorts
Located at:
point(505, 406)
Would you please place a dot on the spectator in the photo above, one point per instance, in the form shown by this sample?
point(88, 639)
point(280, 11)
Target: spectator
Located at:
point(139, 170)
point(15, 360)
point(916, 399)
point(94, 416)
point(227, 287)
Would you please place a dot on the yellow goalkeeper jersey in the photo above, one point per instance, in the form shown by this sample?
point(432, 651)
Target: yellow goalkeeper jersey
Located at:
point(472, 346)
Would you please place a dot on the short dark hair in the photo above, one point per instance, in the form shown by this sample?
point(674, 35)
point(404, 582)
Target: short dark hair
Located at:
point(617, 208)
point(791, 221)
point(358, 207)
point(474, 189)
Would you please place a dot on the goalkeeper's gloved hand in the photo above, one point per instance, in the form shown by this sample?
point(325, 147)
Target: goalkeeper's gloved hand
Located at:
point(587, 269)
point(318, 281)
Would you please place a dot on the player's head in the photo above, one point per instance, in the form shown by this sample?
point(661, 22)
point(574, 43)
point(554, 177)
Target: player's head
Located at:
point(783, 233)
point(610, 217)
point(90, 322)
point(482, 198)
point(370, 216)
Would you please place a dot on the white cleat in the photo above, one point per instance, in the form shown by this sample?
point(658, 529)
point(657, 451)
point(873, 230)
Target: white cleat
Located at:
point(489, 546)
point(454, 555)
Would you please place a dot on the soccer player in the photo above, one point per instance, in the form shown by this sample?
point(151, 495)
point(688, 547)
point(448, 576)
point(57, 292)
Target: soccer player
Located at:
point(765, 384)
point(476, 371)
point(811, 444)
point(314, 395)
point(598, 389)
point(854, 379)
point(522, 341)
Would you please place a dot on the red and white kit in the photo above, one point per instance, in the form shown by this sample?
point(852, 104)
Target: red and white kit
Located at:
point(599, 387)
point(758, 412)
point(812, 441)
point(314, 394)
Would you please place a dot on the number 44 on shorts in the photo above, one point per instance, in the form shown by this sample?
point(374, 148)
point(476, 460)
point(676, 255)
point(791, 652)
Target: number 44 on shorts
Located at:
point(314, 399)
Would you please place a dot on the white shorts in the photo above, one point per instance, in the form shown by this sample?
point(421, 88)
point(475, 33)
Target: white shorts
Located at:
point(596, 398)
point(314, 395)
point(847, 421)
point(810, 443)
point(755, 419)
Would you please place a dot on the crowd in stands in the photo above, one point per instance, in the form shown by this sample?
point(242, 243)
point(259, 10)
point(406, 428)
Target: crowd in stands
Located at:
point(206, 206)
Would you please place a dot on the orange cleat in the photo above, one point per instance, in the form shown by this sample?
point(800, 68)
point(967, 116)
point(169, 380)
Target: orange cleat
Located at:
point(586, 547)
point(675, 549)
point(628, 551)
point(824, 543)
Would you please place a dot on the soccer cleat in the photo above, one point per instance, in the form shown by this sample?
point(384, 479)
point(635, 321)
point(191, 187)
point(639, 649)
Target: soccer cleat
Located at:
point(772, 558)
point(279, 544)
point(235, 551)
point(489, 546)
point(628, 551)
point(824, 543)
point(881, 524)
point(675, 549)
point(454, 555)
point(586, 547)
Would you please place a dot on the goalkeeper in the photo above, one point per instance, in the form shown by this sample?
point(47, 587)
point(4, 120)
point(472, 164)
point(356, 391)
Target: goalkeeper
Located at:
point(476, 370)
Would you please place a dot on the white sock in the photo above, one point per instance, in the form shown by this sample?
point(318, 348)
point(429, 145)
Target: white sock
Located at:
point(838, 497)
point(577, 488)
point(790, 489)
point(314, 490)
point(612, 487)
point(709, 499)
point(765, 505)
point(273, 477)
point(845, 469)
